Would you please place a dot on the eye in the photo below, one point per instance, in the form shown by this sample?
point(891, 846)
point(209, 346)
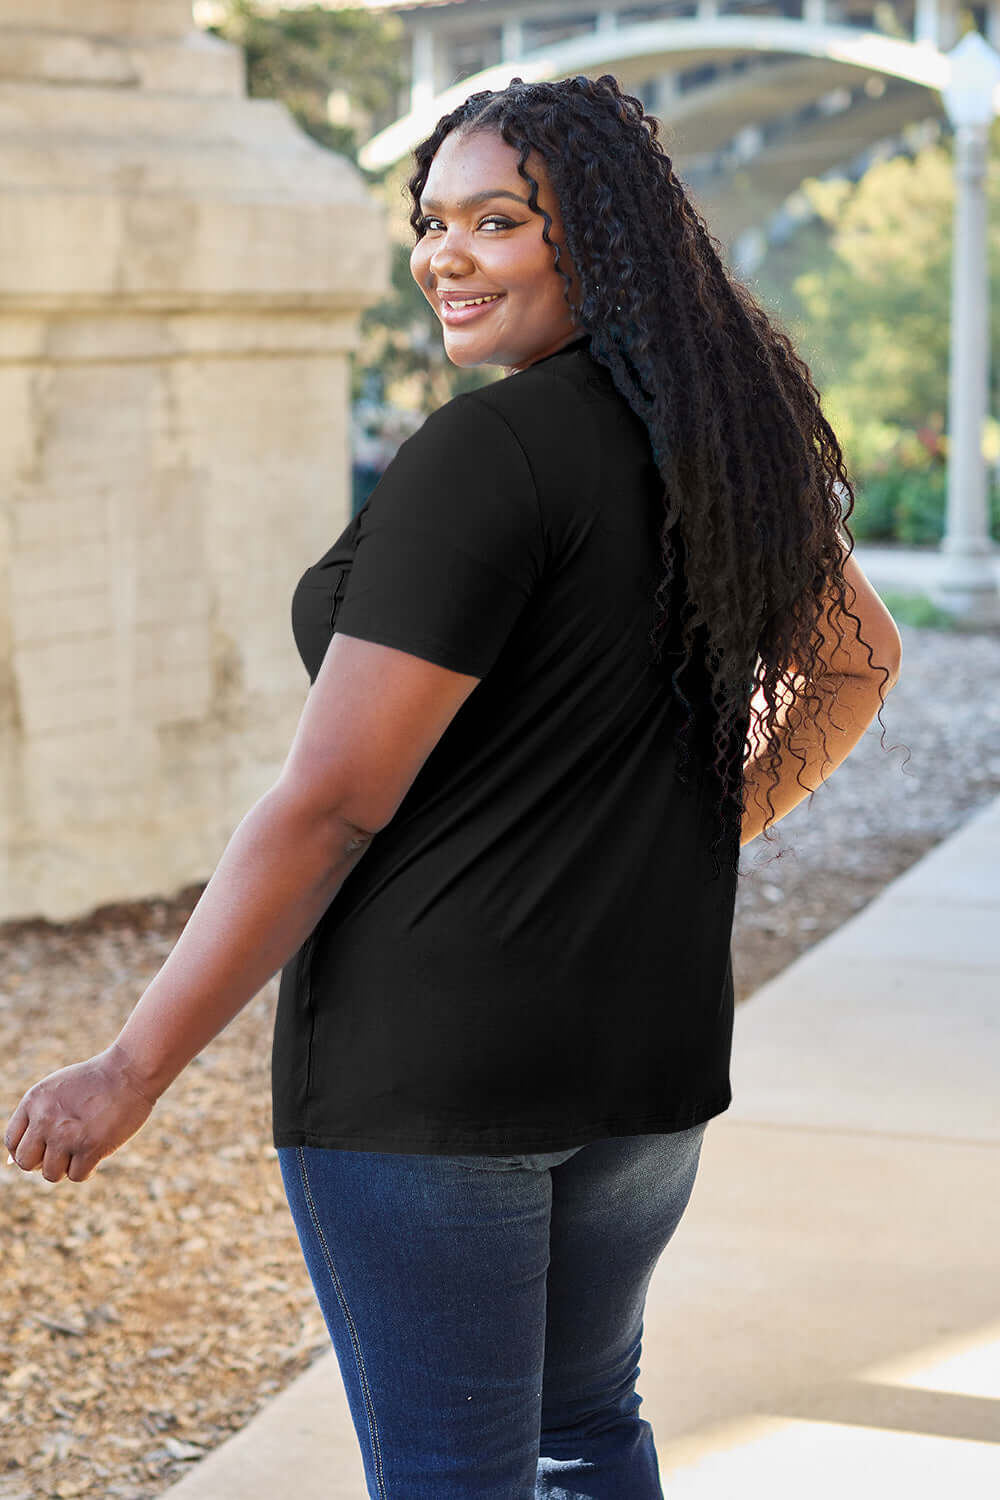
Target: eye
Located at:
point(427, 222)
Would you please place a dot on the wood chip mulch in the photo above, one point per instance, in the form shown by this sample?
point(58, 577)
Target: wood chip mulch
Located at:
point(147, 1314)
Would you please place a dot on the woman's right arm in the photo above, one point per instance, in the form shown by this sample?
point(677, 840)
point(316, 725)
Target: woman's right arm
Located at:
point(372, 717)
point(812, 746)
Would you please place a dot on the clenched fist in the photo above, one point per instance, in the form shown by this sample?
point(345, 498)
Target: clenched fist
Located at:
point(70, 1120)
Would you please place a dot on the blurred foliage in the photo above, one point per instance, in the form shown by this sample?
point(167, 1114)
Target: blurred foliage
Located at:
point(908, 505)
point(917, 609)
point(302, 57)
point(864, 289)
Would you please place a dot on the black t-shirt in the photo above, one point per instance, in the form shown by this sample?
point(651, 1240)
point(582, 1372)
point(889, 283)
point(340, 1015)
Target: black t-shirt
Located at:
point(534, 952)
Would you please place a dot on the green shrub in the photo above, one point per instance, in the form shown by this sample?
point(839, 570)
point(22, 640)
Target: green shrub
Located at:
point(873, 518)
point(908, 505)
point(916, 609)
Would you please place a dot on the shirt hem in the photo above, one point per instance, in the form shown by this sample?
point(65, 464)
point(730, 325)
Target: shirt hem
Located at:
point(441, 1143)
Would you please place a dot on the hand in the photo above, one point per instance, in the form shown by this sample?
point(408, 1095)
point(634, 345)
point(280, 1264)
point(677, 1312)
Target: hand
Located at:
point(73, 1118)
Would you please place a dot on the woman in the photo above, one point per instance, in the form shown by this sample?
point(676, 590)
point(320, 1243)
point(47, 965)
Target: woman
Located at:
point(577, 600)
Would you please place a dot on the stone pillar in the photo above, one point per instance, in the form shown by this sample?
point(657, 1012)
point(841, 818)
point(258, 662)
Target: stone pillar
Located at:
point(667, 93)
point(511, 38)
point(423, 82)
point(966, 584)
point(926, 27)
point(181, 274)
point(935, 23)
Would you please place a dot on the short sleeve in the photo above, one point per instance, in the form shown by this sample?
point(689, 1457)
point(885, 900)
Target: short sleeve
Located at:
point(449, 545)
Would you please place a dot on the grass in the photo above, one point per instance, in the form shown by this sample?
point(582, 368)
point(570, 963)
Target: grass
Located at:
point(918, 610)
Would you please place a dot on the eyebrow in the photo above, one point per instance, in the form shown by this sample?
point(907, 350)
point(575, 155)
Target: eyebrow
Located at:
point(474, 198)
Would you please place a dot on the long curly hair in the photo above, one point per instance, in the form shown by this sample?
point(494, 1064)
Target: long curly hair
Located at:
point(754, 478)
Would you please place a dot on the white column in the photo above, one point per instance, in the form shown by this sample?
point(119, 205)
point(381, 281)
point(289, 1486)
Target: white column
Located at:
point(667, 91)
point(935, 23)
point(993, 24)
point(748, 250)
point(708, 10)
point(948, 23)
point(747, 142)
point(925, 23)
point(422, 68)
point(814, 12)
point(967, 583)
point(511, 39)
point(607, 20)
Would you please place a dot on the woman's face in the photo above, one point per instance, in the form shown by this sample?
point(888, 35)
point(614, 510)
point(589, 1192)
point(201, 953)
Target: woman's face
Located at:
point(493, 247)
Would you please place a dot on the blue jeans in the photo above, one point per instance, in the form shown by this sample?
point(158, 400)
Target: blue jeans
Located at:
point(487, 1311)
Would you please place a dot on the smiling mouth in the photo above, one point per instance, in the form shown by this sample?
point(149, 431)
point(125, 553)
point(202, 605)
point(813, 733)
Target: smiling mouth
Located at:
point(467, 310)
point(456, 302)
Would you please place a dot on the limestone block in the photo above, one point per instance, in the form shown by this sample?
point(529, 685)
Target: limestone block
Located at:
point(181, 273)
point(159, 515)
point(219, 201)
point(194, 63)
point(100, 17)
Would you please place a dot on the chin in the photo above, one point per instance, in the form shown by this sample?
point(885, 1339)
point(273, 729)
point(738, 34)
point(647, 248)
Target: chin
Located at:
point(456, 359)
point(466, 358)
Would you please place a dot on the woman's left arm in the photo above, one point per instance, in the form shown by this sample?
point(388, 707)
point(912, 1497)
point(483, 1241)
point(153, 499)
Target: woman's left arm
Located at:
point(372, 718)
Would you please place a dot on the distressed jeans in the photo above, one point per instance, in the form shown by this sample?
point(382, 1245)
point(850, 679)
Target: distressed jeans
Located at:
point(487, 1311)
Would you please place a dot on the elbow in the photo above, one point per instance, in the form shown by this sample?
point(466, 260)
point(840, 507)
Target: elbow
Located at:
point(885, 647)
point(308, 816)
point(883, 673)
point(895, 659)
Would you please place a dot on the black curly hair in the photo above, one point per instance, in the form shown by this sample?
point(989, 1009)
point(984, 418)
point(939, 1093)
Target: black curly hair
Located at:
point(754, 477)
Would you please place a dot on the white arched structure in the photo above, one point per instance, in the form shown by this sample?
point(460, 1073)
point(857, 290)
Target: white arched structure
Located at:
point(637, 50)
point(810, 96)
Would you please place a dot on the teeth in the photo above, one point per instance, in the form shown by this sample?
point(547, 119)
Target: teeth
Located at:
point(473, 301)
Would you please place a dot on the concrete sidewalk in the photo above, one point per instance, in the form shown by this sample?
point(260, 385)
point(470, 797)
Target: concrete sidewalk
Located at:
point(915, 571)
point(907, 569)
point(826, 1321)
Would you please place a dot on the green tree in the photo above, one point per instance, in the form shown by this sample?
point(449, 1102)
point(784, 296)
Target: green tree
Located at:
point(865, 290)
point(302, 56)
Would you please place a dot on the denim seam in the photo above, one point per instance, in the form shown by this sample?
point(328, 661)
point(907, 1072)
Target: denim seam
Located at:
point(366, 1388)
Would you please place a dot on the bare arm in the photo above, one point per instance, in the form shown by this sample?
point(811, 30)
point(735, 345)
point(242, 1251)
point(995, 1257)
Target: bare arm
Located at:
point(278, 874)
point(373, 716)
point(811, 748)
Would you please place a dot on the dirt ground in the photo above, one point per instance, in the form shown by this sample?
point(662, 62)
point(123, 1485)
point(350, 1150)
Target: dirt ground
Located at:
point(145, 1315)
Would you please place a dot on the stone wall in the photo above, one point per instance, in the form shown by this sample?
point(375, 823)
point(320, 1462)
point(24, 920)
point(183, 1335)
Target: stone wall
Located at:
point(181, 272)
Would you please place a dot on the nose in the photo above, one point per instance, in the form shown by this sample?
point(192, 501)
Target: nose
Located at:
point(448, 253)
point(445, 266)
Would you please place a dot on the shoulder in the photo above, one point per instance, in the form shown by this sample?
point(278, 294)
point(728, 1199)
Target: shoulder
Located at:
point(555, 415)
point(469, 428)
point(544, 403)
point(462, 475)
point(530, 443)
point(543, 400)
point(550, 414)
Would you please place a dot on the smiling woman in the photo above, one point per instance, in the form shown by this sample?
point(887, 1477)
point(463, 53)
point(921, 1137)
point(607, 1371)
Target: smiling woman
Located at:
point(585, 608)
point(467, 252)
